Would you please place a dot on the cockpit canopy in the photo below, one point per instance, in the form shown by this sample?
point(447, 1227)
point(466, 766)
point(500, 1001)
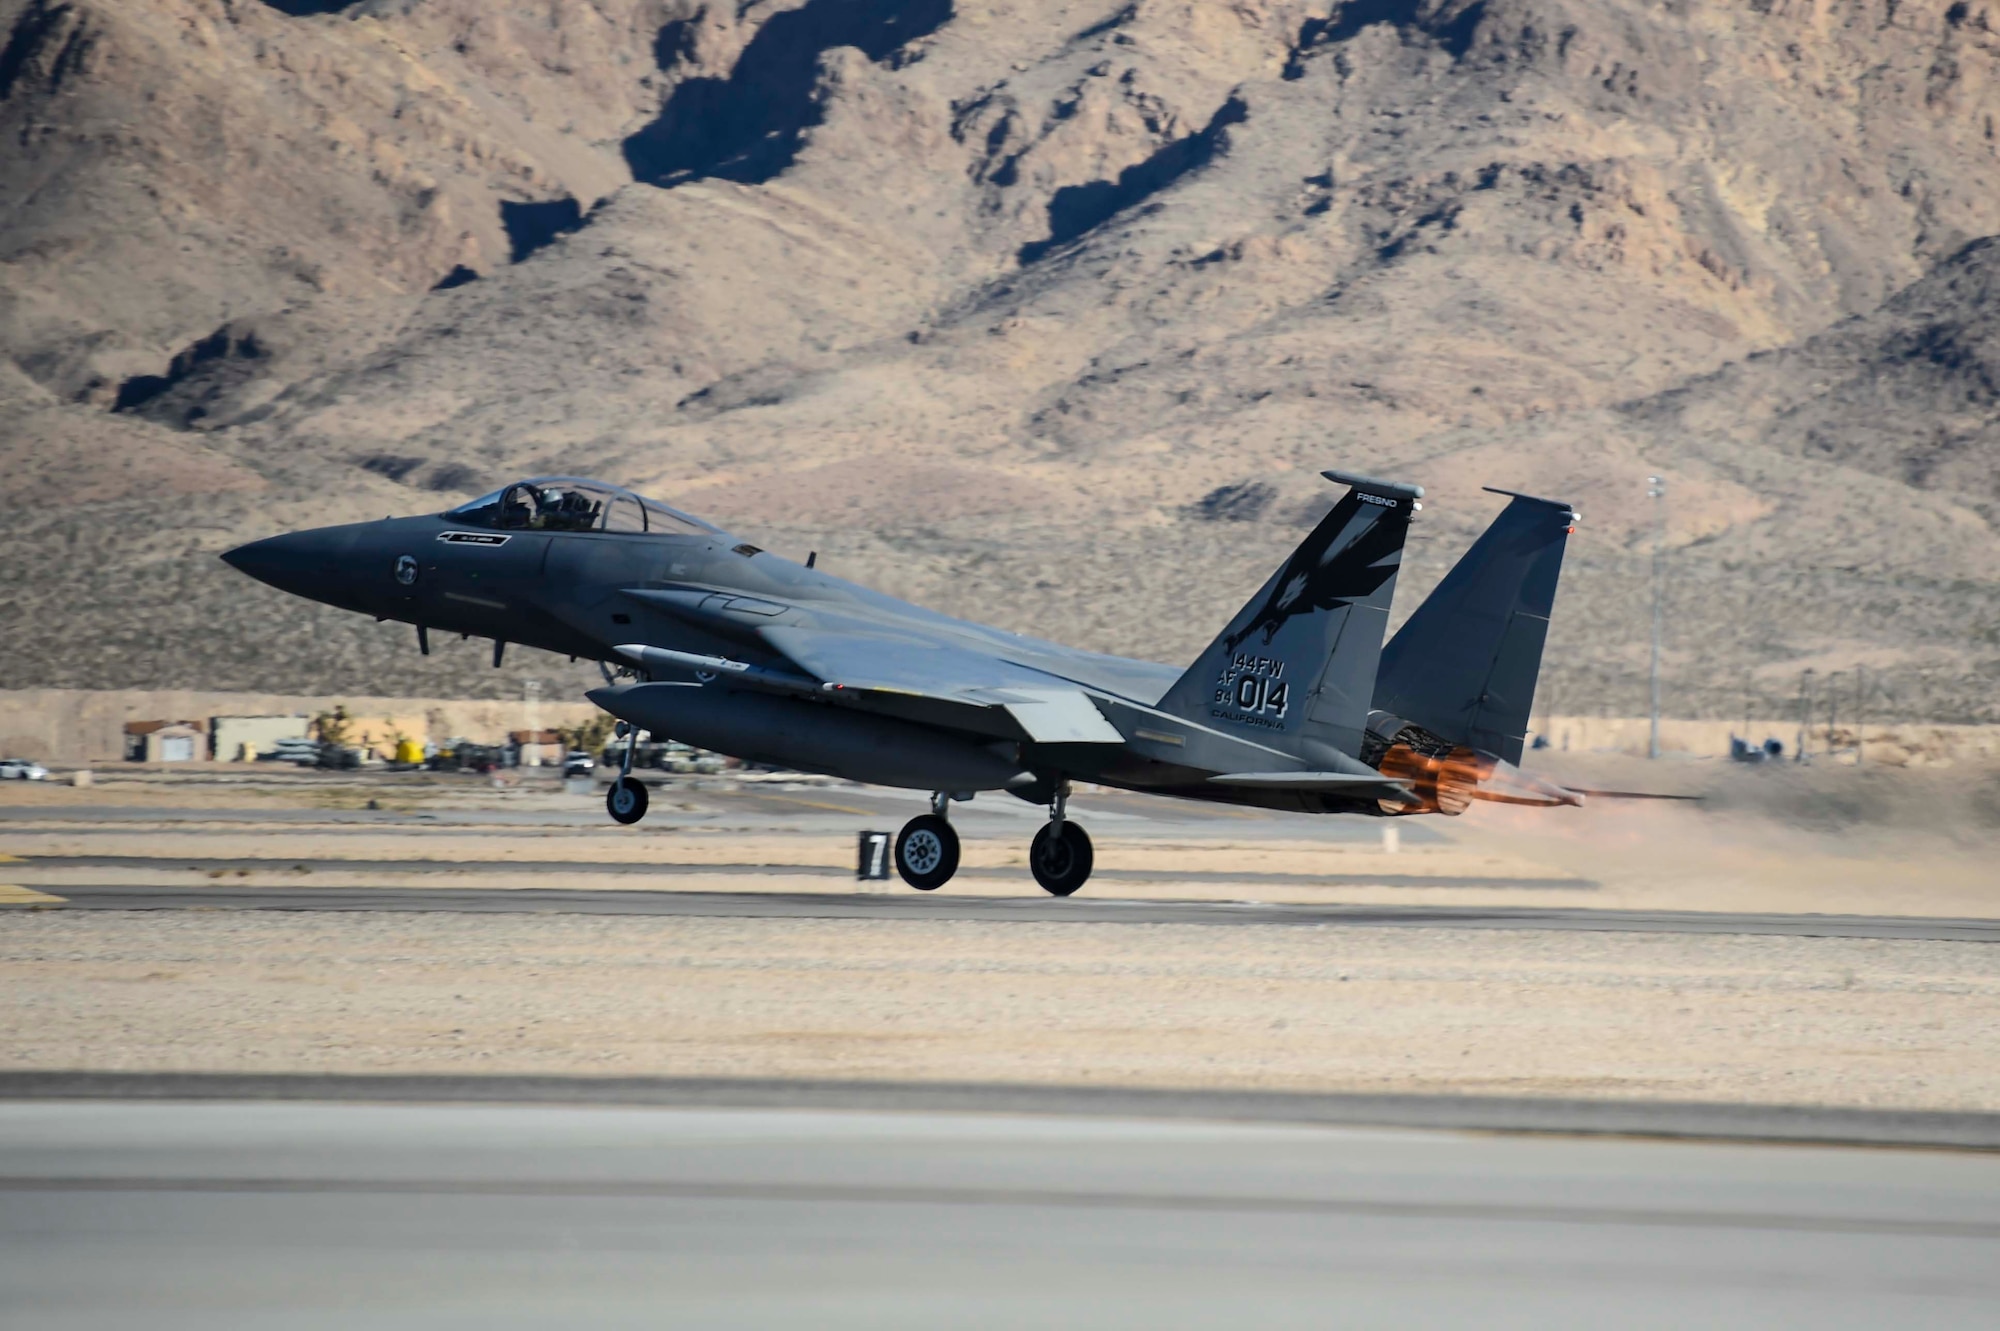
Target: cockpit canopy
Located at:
point(566, 503)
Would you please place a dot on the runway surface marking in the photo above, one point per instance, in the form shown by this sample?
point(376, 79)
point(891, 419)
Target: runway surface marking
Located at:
point(1012, 1102)
point(553, 868)
point(12, 895)
point(818, 804)
point(921, 1195)
point(1023, 909)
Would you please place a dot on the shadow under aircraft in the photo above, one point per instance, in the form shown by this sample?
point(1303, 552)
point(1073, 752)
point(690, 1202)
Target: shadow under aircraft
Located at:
point(705, 638)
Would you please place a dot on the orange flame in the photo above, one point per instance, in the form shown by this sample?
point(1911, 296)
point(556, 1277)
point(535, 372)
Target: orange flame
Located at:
point(1450, 783)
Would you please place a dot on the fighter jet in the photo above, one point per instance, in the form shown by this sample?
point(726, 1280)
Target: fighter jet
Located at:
point(705, 638)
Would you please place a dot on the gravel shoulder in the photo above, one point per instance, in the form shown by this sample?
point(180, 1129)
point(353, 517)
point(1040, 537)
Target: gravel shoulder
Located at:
point(1761, 1020)
point(1354, 1009)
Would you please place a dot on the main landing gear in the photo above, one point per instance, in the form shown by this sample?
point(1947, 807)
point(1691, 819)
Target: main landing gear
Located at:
point(927, 849)
point(1060, 854)
point(627, 798)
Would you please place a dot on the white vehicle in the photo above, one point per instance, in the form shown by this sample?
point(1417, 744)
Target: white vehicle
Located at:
point(22, 769)
point(303, 752)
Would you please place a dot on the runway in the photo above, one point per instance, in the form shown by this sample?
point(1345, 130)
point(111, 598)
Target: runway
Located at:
point(318, 1214)
point(1038, 909)
point(684, 804)
point(1538, 1114)
point(656, 868)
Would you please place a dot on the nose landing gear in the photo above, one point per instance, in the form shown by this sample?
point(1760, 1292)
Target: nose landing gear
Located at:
point(627, 798)
point(1060, 855)
point(927, 847)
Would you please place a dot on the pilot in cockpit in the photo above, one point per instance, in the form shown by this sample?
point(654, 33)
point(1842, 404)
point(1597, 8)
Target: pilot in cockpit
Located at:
point(566, 504)
point(566, 510)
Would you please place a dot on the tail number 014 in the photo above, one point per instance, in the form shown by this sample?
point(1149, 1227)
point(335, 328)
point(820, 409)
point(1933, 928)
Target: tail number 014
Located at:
point(1256, 685)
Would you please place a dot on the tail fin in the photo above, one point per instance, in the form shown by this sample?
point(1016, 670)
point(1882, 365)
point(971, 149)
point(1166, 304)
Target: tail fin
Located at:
point(1464, 665)
point(1296, 667)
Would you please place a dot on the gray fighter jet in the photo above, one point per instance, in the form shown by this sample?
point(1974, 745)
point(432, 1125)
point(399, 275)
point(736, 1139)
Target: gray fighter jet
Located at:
point(707, 639)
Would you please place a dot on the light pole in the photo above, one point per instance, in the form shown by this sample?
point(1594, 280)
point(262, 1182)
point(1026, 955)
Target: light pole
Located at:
point(1805, 714)
point(1656, 490)
point(1860, 712)
point(531, 697)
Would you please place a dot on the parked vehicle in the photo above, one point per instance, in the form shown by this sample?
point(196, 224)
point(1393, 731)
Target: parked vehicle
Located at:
point(22, 769)
point(340, 757)
point(665, 756)
point(1743, 751)
point(579, 763)
point(464, 756)
point(304, 752)
point(678, 757)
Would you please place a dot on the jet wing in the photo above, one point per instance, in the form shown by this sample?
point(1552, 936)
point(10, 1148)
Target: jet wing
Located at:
point(1046, 708)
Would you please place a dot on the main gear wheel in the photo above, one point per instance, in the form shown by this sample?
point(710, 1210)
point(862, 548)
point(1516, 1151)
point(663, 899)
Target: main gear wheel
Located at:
point(1061, 857)
point(927, 852)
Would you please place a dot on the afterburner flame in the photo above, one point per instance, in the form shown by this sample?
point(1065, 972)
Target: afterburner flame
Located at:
point(1449, 783)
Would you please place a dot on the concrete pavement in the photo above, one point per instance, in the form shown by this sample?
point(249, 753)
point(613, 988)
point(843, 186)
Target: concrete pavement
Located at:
point(390, 1216)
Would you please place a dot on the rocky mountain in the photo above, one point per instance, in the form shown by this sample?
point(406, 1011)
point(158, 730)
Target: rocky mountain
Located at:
point(1044, 311)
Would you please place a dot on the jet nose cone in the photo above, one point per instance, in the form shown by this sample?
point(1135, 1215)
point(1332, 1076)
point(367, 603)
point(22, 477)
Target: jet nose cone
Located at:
point(244, 558)
point(269, 560)
point(305, 563)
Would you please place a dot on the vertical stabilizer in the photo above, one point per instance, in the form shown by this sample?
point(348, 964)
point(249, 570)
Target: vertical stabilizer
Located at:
point(1295, 670)
point(1464, 665)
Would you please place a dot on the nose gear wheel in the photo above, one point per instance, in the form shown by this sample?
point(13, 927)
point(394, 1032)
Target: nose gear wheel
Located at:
point(626, 800)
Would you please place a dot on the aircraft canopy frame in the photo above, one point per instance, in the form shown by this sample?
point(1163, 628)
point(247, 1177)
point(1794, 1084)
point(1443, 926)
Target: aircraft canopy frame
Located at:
point(576, 503)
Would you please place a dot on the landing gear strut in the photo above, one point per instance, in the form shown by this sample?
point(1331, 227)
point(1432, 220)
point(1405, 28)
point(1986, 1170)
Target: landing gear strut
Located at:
point(627, 798)
point(1060, 854)
point(927, 847)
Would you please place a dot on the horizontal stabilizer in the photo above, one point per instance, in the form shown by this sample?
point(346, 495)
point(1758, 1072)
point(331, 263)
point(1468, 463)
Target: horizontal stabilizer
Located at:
point(1341, 783)
point(1633, 795)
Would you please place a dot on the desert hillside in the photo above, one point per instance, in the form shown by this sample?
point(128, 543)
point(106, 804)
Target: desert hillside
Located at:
point(1046, 312)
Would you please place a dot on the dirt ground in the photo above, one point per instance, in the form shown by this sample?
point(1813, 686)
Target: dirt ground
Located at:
point(1720, 1017)
point(1823, 1021)
point(1817, 840)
